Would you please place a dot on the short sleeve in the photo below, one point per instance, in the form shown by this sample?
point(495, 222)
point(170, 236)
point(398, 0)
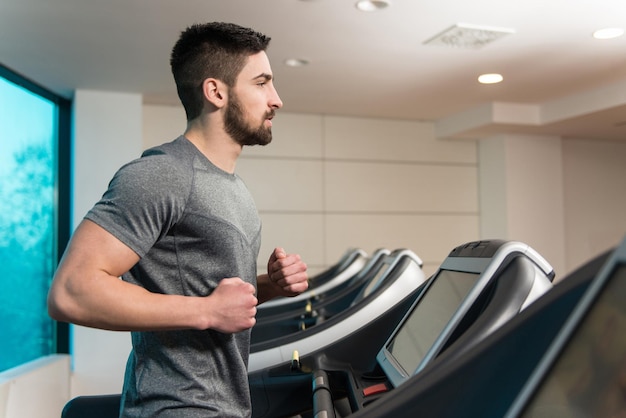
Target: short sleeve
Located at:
point(145, 198)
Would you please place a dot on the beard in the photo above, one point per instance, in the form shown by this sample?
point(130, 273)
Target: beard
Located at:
point(240, 131)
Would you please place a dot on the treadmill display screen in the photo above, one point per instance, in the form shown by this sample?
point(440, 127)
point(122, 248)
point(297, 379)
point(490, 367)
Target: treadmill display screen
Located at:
point(588, 378)
point(428, 319)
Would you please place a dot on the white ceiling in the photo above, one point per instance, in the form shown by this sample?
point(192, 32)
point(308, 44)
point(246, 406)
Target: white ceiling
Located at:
point(558, 80)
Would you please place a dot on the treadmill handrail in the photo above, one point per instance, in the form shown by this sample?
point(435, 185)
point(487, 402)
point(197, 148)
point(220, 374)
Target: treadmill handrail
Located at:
point(352, 269)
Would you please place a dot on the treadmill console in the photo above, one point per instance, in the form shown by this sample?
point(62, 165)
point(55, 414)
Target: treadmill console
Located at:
point(583, 373)
point(458, 294)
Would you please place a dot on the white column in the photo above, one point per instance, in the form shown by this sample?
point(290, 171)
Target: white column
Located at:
point(107, 133)
point(521, 193)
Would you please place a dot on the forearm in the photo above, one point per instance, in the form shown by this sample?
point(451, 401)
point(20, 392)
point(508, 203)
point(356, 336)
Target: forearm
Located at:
point(107, 302)
point(265, 289)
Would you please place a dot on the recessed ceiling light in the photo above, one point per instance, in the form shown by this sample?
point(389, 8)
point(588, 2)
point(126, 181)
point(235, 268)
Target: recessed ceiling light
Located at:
point(296, 62)
point(608, 33)
point(371, 5)
point(490, 78)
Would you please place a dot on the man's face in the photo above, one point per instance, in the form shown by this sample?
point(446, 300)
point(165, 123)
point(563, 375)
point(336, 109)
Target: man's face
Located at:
point(252, 103)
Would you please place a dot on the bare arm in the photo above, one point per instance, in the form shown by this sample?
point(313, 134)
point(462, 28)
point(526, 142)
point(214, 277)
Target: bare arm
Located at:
point(86, 290)
point(287, 276)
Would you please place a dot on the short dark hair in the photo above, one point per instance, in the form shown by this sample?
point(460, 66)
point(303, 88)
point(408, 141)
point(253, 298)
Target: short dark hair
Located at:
point(211, 50)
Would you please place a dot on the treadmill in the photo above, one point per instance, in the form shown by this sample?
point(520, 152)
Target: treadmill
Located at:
point(479, 286)
point(389, 291)
point(583, 372)
point(349, 261)
point(318, 307)
point(486, 379)
point(341, 272)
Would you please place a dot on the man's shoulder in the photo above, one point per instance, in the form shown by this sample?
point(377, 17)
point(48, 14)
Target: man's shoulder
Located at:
point(180, 148)
point(170, 159)
point(168, 167)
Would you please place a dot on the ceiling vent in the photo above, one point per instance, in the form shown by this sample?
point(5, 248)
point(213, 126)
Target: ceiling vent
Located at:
point(463, 35)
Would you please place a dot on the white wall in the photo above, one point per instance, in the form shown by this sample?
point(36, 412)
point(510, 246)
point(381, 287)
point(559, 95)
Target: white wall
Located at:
point(594, 174)
point(37, 389)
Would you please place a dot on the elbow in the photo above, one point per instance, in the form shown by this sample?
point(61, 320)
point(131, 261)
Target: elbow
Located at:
point(55, 313)
point(58, 307)
point(54, 310)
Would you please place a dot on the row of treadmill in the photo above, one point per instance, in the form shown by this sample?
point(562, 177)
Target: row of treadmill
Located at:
point(489, 334)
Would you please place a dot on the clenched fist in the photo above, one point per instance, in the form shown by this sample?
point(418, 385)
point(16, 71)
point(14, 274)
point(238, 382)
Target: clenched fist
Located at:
point(232, 305)
point(286, 273)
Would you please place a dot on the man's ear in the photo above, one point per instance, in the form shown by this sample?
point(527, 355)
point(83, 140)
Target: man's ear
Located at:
point(214, 92)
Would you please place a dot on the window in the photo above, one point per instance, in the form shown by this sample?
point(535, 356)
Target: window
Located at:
point(34, 215)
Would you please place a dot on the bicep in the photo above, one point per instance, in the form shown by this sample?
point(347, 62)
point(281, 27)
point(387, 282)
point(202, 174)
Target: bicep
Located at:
point(88, 275)
point(93, 250)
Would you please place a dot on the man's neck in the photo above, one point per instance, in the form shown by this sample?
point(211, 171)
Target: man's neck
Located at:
point(216, 145)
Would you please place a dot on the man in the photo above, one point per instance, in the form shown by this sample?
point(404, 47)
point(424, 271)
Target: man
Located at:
point(182, 231)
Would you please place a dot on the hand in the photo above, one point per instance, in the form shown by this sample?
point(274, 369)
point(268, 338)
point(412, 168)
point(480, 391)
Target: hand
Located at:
point(287, 272)
point(233, 306)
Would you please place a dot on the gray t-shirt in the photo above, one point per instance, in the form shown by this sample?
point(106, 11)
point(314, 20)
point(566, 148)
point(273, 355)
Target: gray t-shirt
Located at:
point(192, 224)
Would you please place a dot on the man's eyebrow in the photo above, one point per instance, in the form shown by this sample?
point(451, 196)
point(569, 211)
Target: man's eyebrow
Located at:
point(265, 76)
